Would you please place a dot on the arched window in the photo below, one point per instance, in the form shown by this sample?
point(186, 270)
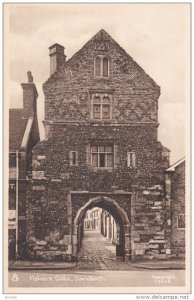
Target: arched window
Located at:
point(105, 67)
point(98, 66)
point(101, 66)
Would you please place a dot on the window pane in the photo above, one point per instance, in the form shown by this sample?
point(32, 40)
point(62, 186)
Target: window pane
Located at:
point(102, 160)
point(109, 160)
point(109, 149)
point(74, 158)
point(131, 159)
point(12, 160)
point(105, 67)
point(97, 66)
point(96, 100)
point(181, 221)
point(101, 148)
point(95, 160)
point(94, 148)
point(96, 111)
point(106, 100)
point(106, 112)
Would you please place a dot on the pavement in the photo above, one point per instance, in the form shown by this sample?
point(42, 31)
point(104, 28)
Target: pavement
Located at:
point(97, 253)
point(152, 265)
point(43, 265)
point(175, 264)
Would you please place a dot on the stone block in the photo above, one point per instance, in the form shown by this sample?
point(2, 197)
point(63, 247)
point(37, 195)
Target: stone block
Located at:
point(159, 256)
point(156, 207)
point(67, 239)
point(158, 217)
point(35, 163)
point(41, 157)
point(37, 174)
point(160, 237)
point(154, 193)
point(139, 251)
point(69, 249)
point(56, 180)
point(61, 242)
point(154, 246)
point(53, 248)
point(160, 232)
point(155, 251)
point(38, 187)
point(157, 241)
point(41, 243)
point(168, 251)
point(149, 257)
point(146, 192)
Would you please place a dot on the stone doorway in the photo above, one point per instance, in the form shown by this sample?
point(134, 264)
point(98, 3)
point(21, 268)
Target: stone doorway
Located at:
point(123, 246)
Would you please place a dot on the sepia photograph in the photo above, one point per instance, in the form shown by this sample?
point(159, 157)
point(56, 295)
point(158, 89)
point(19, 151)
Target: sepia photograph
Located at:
point(97, 148)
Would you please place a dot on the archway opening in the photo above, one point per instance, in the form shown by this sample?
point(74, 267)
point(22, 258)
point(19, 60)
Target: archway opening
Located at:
point(117, 230)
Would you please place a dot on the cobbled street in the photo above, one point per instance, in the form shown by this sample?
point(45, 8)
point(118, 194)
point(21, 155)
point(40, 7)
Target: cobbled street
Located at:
point(98, 253)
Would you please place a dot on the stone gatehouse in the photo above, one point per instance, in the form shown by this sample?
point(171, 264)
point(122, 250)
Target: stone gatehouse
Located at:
point(101, 150)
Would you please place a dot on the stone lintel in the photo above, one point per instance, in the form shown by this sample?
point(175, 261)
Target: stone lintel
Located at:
point(102, 193)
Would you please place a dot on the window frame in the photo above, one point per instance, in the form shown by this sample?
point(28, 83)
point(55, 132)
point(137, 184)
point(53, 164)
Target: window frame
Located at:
point(101, 105)
point(71, 158)
point(106, 153)
point(102, 56)
point(131, 159)
point(12, 158)
point(180, 228)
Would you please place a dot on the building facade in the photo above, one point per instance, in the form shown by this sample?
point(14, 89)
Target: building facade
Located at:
point(92, 220)
point(175, 192)
point(108, 227)
point(23, 136)
point(101, 150)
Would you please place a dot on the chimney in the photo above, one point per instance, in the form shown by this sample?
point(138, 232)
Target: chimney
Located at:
point(57, 57)
point(29, 97)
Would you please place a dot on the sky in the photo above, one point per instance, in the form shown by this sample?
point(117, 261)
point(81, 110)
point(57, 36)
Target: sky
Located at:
point(157, 36)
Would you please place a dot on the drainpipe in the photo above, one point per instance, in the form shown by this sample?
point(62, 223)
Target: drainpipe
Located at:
point(17, 190)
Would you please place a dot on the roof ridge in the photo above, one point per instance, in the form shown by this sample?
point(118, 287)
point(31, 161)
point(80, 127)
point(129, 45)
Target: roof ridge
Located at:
point(178, 162)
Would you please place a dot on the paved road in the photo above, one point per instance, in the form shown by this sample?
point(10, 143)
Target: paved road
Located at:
point(98, 253)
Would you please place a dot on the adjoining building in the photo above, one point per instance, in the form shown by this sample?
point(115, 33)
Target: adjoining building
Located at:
point(101, 150)
point(175, 192)
point(92, 220)
point(108, 226)
point(23, 135)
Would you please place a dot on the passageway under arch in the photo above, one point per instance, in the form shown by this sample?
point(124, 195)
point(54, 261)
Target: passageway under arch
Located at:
point(120, 217)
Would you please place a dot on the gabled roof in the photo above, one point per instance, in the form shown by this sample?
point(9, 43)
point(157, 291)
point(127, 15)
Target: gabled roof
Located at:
point(103, 35)
point(173, 167)
point(17, 127)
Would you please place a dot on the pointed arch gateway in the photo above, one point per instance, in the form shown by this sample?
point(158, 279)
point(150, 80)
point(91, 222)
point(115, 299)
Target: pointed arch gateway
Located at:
point(123, 246)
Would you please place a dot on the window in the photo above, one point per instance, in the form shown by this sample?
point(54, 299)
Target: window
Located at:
point(12, 160)
point(101, 66)
point(73, 158)
point(102, 156)
point(181, 221)
point(101, 107)
point(131, 159)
